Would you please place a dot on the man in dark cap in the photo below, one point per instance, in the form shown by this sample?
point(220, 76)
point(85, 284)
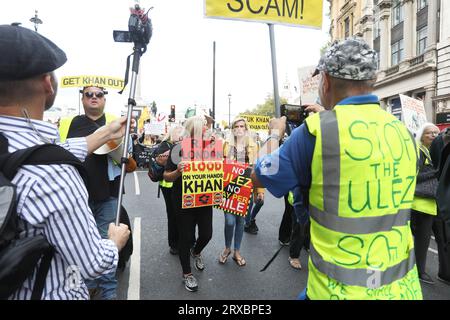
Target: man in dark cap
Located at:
point(355, 165)
point(52, 199)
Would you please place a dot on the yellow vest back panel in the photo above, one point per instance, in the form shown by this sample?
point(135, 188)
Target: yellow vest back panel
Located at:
point(363, 181)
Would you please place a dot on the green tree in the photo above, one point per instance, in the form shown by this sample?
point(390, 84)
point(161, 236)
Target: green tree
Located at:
point(267, 108)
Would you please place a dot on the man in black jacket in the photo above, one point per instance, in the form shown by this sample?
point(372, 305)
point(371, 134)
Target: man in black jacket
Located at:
point(441, 224)
point(103, 174)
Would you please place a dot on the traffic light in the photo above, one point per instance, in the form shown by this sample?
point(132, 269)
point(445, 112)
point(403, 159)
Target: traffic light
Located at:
point(172, 113)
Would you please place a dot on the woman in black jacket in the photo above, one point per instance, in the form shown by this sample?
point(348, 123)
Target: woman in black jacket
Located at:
point(424, 206)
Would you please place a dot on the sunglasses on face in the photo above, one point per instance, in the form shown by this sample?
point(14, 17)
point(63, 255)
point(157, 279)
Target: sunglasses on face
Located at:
point(90, 95)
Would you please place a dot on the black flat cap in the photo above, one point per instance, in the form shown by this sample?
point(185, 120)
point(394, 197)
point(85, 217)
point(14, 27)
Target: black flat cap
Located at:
point(25, 54)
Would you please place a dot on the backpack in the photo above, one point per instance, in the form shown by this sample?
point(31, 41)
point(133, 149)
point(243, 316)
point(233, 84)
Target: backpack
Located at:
point(19, 257)
point(155, 171)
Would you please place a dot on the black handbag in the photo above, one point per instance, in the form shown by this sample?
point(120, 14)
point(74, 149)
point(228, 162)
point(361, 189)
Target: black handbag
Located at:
point(427, 181)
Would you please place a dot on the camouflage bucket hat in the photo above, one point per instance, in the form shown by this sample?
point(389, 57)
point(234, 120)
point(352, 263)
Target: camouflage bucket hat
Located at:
point(350, 59)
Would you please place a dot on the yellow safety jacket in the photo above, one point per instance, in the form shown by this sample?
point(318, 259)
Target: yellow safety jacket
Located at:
point(422, 204)
point(64, 125)
point(165, 184)
point(363, 180)
point(291, 198)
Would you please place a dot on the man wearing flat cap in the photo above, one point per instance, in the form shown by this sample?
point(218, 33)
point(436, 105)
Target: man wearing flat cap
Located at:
point(51, 199)
point(355, 165)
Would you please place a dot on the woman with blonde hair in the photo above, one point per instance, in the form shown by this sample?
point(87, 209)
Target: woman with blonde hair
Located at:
point(188, 219)
point(239, 147)
point(424, 206)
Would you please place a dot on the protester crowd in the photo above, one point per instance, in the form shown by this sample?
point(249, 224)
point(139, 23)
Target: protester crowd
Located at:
point(348, 193)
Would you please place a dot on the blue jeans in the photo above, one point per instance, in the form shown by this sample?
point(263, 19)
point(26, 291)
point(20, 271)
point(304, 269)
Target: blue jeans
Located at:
point(302, 295)
point(233, 224)
point(253, 210)
point(104, 213)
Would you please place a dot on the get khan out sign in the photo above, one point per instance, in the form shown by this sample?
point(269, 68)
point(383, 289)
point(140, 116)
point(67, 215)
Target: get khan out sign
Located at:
point(291, 12)
point(85, 81)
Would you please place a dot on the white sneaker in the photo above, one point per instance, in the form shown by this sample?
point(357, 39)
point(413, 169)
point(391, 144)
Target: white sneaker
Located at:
point(190, 283)
point(198, 261)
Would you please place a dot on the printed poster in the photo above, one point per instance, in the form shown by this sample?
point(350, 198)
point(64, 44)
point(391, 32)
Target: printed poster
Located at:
point(237, 188)
point(202, 184)
point(413, 113)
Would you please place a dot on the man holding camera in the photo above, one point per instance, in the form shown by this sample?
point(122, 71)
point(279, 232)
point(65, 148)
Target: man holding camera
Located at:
point(356, 166)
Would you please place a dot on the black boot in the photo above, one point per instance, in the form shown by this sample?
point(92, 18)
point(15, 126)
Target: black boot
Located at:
point(251, 228)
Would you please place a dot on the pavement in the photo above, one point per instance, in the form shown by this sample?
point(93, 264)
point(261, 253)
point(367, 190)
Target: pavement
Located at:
point(154, 274)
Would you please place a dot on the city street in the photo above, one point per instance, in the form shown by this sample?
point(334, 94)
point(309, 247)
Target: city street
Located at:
point(154, 274)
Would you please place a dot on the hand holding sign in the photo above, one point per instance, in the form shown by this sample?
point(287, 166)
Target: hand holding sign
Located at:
point(181, 166)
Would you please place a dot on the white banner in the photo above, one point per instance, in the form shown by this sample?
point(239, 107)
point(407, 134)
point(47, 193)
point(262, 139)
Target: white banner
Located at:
point(413, 113)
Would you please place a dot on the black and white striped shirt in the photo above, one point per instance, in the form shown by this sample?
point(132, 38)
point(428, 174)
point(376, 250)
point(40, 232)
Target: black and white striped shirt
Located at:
point(53, 201)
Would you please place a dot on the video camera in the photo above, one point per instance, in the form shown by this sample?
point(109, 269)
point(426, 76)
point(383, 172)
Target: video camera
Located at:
point(139, 26)
point(295, 115)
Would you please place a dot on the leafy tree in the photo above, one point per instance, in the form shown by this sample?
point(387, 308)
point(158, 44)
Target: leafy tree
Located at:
point(267, 108)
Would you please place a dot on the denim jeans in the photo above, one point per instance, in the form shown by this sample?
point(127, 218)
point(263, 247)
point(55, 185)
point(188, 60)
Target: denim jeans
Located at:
point(104, 213)
point(233, 224)
point(253, 210)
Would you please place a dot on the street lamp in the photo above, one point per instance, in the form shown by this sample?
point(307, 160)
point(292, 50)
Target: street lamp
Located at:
point(229, 110)
point(36, 20)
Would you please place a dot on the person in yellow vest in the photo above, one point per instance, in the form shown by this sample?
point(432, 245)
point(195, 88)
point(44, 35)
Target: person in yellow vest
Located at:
point(175, 136)
point(357, 163)
point(424, 207)
point(103, 175)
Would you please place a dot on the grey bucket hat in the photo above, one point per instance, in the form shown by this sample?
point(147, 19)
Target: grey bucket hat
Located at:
point(351, 59)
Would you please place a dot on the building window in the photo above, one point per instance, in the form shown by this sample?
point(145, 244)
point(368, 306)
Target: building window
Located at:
point(396, 107)
point(347, 28)
point(421, 4)
point(378, 60)
point(397, 12)
point(377, 30)
point(397, 52)
point(421, 40)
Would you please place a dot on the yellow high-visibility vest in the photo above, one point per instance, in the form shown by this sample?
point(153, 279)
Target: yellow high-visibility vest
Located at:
point(363, 180)
point(64, 125)
point(291, 198)
point(422, 204)
point(165, 184)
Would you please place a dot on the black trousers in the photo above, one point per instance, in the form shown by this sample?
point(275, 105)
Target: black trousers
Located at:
point(421, 224)
point(187, 220)
point(299, 237)
point(442, 235)
point(172, 231)
point(285, 230)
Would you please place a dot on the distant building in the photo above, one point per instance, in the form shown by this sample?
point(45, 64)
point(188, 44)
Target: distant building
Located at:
point(413, 44)
point(442, 98)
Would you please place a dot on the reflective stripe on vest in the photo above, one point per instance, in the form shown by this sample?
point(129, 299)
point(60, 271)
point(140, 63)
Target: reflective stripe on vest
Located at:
point(358, 277)
point(361, 193)
point(165, 184)
point(361, 225)
point(291, 198)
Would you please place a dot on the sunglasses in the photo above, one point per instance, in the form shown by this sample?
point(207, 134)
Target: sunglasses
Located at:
point(90, 95)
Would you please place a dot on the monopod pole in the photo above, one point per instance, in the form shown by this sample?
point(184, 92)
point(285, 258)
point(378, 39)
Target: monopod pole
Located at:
point(131, 103)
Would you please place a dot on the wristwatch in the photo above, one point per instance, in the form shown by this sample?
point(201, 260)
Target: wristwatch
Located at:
point(273, 136)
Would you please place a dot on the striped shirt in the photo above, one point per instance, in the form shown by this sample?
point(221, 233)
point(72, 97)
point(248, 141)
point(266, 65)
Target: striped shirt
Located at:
point(52, 200)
